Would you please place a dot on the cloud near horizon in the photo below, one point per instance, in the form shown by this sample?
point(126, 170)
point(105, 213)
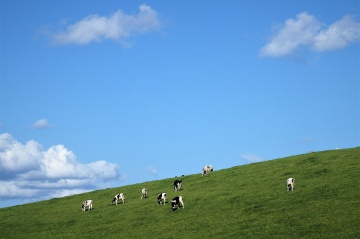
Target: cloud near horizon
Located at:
point(118, 26)
point(251, 158)
point(306, 31)
point(29, 173)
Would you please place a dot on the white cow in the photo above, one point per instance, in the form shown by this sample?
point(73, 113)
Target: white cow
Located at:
point(161, 198)
point(87, 204)
point(290, 182)
point(144, 193)
point(118, 197)
point(206, 169)
point(177, 202)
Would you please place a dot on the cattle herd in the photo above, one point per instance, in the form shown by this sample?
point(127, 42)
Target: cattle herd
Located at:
point(177, 201)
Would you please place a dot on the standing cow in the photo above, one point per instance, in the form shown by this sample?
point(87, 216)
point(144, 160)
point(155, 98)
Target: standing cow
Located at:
point(161, 198)
point(177, 185)
point(177, 202)
point(290, 182)
point(144, 193)
point(118, 197)
point(207, 169)
point(87, 204)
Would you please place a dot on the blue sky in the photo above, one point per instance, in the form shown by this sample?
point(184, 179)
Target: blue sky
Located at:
point(98, 94)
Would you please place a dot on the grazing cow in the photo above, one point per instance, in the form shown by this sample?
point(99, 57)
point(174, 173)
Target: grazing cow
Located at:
point(144, 193)
point(118, 197)
point(88, 204)
point(206, 169)
point(177, 185)
point(290, 184)
point(161, 198)
point(177, 202)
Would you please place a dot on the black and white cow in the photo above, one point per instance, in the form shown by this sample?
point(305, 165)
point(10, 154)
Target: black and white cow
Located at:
point(206, 169)
point(177, 202)
point(118, 197)
point(290, 182)
point(87, 204)
point(177, 185)
point(144, 193)
point(161, 198)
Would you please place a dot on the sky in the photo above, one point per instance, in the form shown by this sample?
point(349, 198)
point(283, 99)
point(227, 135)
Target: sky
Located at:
point(102, 94)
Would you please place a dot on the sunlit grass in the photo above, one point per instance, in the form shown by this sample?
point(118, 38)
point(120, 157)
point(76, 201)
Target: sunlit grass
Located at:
point(248, 201)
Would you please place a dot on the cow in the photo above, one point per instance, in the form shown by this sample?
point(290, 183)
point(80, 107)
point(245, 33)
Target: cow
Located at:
point(177, 202)
point(177, 185)
point(118, 197)
point(88, 204)
point(144, 193)
point(161, 198)
point(290, 184)
point(206, 169)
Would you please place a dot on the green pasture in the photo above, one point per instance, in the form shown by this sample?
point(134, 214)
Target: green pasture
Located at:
point(249, 201)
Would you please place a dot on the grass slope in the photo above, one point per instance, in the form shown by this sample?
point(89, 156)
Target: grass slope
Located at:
point(247, 201)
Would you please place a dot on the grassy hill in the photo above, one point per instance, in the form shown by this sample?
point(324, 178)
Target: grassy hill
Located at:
point(247, 201)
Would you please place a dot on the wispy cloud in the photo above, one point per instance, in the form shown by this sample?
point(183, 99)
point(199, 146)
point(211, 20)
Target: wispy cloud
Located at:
point(251, 158)
point(42, 124)
point(118, 26)
point(152, 170)
point(306, 31)
point(29, 173)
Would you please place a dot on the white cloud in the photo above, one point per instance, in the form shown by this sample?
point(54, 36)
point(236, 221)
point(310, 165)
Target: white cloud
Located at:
point(118, 26)
point(41, 124)
point(251, 158)
point(103, 170)
point(29, 173)
point(152, 170)
point(67, 192)
point(306, 31)
point(16, 158)
point(338, 35)
point(12, 190)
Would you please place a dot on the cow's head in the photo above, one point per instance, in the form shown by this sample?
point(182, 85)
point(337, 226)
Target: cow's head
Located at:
point(173, 205)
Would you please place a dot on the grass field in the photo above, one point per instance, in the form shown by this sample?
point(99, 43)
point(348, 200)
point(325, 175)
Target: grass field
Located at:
point(249, 201)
